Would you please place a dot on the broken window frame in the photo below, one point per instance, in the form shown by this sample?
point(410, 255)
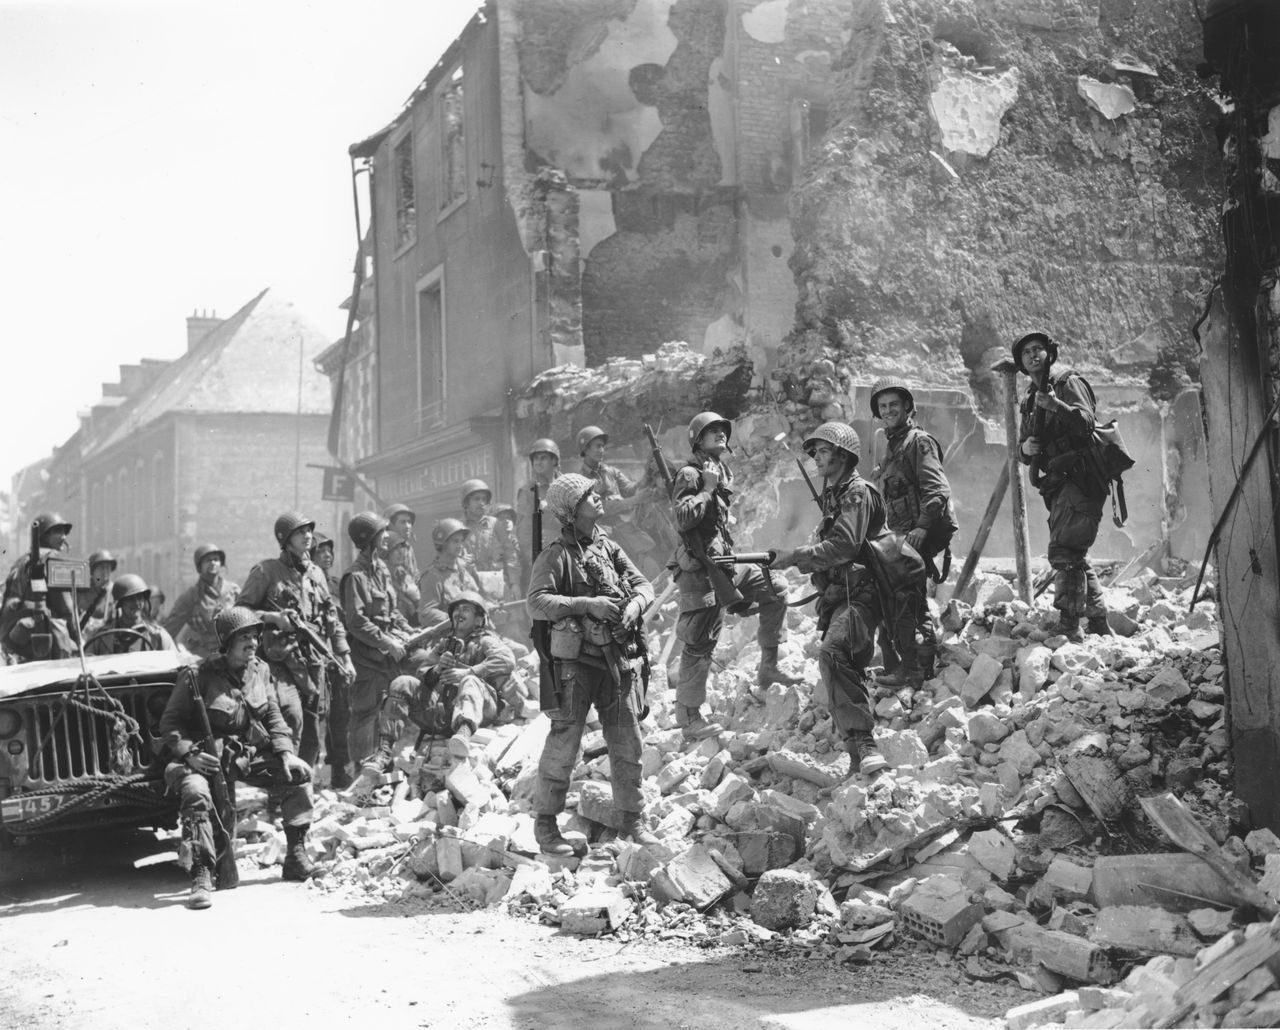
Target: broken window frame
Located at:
point(432, 351)
point(405, 192)
point(453, 144)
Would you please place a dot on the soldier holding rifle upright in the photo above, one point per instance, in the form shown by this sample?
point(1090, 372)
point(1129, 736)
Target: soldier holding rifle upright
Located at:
point(702, 494)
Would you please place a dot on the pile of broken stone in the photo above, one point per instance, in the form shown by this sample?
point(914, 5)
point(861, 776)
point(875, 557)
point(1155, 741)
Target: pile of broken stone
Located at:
point(1006, 832)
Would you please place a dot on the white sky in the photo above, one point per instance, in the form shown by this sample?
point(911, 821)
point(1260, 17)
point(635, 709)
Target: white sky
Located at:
point(159, 157)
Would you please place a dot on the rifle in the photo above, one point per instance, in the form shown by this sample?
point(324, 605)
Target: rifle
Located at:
point(761, 558)
point(817, 498)
point(727, 595)
point(96, 600)
point(1037, 427)
point(224, 812)
point(536, 535)
point(308, 635)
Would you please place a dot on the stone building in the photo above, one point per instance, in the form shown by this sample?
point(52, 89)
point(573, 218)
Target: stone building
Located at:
point(210, 446)
point(573, 182)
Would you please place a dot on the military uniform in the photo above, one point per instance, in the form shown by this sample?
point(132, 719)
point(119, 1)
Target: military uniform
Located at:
point(404, 579)
point(251, 735)
point(703, 519)
point(154, 638)
point(848, 608)
point(97, 611)
point(1074, 498)
point(442, 583)
point(916, 495)
point(191, 619)
point(492, 548)
point(17, 622)
point(374, 622)
point(568, 570)
point(289, 584)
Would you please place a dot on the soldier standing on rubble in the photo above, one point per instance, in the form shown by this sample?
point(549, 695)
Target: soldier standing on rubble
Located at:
point(376, 628)
point(448, 576)
point(1058, 420)
point(917, 500)
point(253, 743)
point(701, 498)
point(191, 620)
point(462, 686)
point(616, 490)
point(544, 464)
point(593, 598)
point(292, 595)
point(848, 608)
point(491, 547)
point(401, 520)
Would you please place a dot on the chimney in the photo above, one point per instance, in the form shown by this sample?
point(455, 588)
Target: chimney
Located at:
point(199, 325)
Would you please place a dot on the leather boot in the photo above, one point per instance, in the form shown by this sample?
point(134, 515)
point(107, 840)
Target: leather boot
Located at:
point(201, 895)
point(1098, 625)
point(1067, 626)
point(864, 755)
point(926, 663)
point(339, 778)
point(460, 742)
point(693, 726)
point(546, 831)
point(633, 830)
point(768, 672)
point(297, 865)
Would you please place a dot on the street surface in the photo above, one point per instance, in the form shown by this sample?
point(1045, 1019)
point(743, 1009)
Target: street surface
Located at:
point(92, 941)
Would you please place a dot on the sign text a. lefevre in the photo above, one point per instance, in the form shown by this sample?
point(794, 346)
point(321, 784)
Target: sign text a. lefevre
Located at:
point(440, 474)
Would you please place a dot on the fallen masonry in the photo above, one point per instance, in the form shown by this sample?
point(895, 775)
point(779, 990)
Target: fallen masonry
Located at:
point(1009, 832)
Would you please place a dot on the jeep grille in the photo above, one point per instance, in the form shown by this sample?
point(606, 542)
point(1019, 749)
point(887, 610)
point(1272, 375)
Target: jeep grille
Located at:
point(64, 742)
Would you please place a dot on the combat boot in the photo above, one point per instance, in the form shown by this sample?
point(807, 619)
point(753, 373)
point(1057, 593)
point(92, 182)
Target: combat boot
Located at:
point(693, 726)
point(546, 831)
point(1067, 626)
point(1098, 625)
point(201, 895)
point(768, 672)
point(297, 864)
point(864, 755)
point(460, 742)
point(339, 778)
point(633, 830)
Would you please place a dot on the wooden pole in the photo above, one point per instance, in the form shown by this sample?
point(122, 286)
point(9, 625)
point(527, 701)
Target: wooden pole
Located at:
point(1021, 535)
point(984, 530)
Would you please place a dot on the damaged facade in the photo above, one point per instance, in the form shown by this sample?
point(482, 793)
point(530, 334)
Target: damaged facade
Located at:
point(574, 182)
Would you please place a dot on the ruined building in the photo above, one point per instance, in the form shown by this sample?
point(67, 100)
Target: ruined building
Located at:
point(572, 182)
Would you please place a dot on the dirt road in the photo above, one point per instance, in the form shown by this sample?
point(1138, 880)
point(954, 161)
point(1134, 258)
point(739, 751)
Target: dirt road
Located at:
point(90, 940)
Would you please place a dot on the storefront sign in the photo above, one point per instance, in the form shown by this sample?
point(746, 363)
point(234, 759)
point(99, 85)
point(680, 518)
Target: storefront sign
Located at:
point(441, 474)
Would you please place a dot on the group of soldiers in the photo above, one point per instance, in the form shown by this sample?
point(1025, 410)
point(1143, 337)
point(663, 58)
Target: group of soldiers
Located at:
point(296, 661)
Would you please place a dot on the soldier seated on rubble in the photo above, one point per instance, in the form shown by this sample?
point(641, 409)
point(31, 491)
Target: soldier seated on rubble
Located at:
point(464, 682)
point(132, 629)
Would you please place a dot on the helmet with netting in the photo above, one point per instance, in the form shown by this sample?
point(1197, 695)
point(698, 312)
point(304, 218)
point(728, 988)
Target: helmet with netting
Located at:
point(566, 493)
point(839, 434)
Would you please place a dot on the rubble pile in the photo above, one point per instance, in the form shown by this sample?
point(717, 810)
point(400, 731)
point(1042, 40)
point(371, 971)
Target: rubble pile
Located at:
point(1009, 832)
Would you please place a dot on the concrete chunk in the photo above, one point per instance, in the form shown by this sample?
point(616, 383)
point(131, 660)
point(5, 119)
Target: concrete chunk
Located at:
point(994, 851)
point(982, 677)
point(595, 910)
point(825, 772)
point(784, 899)
point(693, 877)
point(1043, 1010)
point(762, 850)
point(732, 789)
point(595, 802)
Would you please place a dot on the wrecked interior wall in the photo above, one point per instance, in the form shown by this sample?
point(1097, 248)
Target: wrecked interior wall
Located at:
point(679, 120)
point(995, 167)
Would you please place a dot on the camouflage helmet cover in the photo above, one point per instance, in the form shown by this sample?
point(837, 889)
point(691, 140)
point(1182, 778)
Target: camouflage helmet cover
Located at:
point(838, 434)
point(890, 384)
point(565, 494)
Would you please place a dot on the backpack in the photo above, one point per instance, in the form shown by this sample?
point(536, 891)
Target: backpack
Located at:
point(1107, 459)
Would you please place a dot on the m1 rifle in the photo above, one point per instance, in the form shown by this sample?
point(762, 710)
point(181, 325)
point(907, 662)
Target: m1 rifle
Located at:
point(727, 594)
point(224, 812)
point(317, 651)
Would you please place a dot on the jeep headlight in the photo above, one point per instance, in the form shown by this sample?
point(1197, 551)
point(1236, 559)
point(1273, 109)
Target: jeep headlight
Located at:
point(10, 723)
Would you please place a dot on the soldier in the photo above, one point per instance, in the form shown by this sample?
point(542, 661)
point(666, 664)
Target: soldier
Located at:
point(376, 628)
point(252, 743)
point(401, 519)
point(462, 687)
point(1058, 420)
point(397, 557)
point(30, 618)
point(339, 716)
point(702, 495)
point(97, 609)
point(191, 620)
point(292, 595)
point(448, 576)
point(917, 500)
point(618, 493)
point(544, 466)
point(491, 548)
point(590, 599)
point(848, 608)
point(131, 629)
point(322, 554)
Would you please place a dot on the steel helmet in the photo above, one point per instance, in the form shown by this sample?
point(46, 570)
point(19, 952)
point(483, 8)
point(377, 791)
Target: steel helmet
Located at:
point(505, 508)
point(704, 421)
point(887, 385)
point(364, 527)
point(103, 558)
point(289, 523)
point(446, 528)
point(566, 493)
point(472, 598)
point(129, 585)
point(838, 434)
point(545, 446)
point(1049, 346)
point(205, 550)
point(475, 486)
point(319, 540)
point(231, 621)
point(400, 509)
point(586, 435)
point(46, 521)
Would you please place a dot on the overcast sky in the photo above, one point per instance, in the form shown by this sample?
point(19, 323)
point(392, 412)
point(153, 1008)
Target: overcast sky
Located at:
point(161, 157)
